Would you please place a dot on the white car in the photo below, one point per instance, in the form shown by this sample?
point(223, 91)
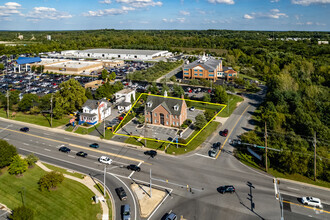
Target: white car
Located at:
point(192, 109)
point(312, 201)
point(105, 159)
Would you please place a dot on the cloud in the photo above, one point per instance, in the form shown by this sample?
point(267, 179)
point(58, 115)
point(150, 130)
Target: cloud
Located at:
point(40, 13)
point(309, 2)
point(185, 12)
point(8, 9)
point(176, 20)
point(229, 2)
point(110, 11)
point(273, 1)
point(140, 3)
point(105, 2)
point(274, 13)
point(309, 23)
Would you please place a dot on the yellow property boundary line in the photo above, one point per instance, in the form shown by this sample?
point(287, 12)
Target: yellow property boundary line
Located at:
point(169, 142)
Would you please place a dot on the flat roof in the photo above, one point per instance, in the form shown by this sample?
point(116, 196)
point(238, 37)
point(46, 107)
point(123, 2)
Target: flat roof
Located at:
point(26, 60)
point(123, 51)
point(75, 64)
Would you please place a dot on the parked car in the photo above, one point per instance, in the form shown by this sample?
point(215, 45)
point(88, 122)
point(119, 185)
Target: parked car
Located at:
point(212, 153)
point(64, 149)
point(312, 201)
point(224, 133)
point(105, 159)
point(226, 189)
point(94, 145)
point(133, 167)
point(121, 193)
point(151, 153)
point(25, 129)
point(192, 108)
point(81, 154)
point(171, 216)
point(217, 145)
point(126, 212)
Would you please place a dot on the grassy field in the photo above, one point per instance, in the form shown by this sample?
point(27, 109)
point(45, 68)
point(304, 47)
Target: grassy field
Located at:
point(218, 51)
point(71, 200)
point(64, 171)
point(100, 188)
point(84, 130)
point(233, 100)
point(172, 149)
point(43, 120)
point(241, 75)
point(247, 160)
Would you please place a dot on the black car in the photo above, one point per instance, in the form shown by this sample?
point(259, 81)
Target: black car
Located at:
point(81, 154)
point(226, 189)
point(121, 193)
point(217, 145)
point(94, 145)
point(134, 168)
point(65, 149)
point(25, 129)
point(151, 153)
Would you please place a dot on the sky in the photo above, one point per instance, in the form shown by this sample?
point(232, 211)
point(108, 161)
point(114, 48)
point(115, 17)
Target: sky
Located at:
point(278, 15)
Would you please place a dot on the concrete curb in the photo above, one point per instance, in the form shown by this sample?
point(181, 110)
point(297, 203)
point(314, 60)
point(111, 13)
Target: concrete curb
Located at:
point(304, 184)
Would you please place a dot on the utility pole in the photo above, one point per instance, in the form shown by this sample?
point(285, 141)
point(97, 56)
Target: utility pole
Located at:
point(266, 146)
point(150, 184)
point(7, 103)
point(314, 143)
point(51, 111)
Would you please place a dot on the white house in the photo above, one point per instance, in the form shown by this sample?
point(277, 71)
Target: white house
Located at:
point(124, 99)
point(94, 111)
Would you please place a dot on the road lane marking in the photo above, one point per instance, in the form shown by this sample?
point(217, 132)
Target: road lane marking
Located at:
point(67, 138)
point(71, 156)
point(78, 146)
point(47, 149)
point(293, 188)
point(6, 139)
point(308, 207)
point(231, 131)
point(204, 156)
point(26, 144)
point(46, 134)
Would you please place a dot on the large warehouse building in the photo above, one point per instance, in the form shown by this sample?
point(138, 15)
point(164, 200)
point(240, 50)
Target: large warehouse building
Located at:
point(117, 54)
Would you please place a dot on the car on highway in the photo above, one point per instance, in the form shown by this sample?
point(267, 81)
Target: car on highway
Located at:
point(224, 133)
point(126, 212)
point(121, 193)
point(105, 159)
point(171, 216)
point(64, 149)
point(192, 108)
point(151, 153)
point(226, 189)
point(24, 129)
point(81, 154)
point(312, 201)
point(94, 145)
point(134, 167)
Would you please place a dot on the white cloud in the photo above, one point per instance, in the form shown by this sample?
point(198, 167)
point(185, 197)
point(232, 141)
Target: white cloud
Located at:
point(40, 13)
point(309, 2)
point(8, 9)
point(185, 12)
point(110, 11)
point(309, 23)
point(105, 2)
point(274, 13)
point(176, 20)
point(229, 2)
point(140, 3)
point(273, 1)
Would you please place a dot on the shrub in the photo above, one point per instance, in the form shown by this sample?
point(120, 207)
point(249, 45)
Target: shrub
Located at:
point(7, 151)
point(31, 159)
point(50, 180)
point(17, 166)
point(181, 141)
point(22, 213)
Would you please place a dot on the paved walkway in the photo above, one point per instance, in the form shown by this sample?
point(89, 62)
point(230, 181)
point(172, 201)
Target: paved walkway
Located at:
point(88, 182)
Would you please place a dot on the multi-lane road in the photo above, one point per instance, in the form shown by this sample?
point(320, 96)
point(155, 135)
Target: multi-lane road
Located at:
point(192, 179)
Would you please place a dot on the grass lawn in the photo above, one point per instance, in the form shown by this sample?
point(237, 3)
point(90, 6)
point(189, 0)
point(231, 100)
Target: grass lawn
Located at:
point(83, 130)
point(233, 100)
point(43, 120)
point(241, 75)
point(64, 171)
point(248, 160)
point(71, 200)
point(100, 188)
point(198, 140)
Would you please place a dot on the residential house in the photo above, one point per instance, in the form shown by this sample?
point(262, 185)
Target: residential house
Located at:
point(165, 111)
point(229, 73)
point(94, 111)
point(124, 99)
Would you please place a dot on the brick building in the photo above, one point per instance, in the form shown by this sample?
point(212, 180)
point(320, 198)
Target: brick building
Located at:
point(165, 111)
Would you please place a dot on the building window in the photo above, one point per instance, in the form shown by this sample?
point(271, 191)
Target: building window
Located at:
point(167, 123)
point(173, 123)
point(211, 75)
point(149, 104)
point(195, 70)
point(167, 116)
point(177, 123)
point(186, 73)
point(229, 74)
point(201, 74)
point(155, 114)
point(147, 119)
point(176, 107)
point(186, 69)
point(155, 120)
point(200, 70)
point(196, 74)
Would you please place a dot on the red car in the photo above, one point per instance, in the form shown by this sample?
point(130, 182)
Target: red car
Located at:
point(224, 132)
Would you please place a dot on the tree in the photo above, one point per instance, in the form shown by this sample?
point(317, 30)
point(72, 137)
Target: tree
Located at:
point(200, 121)
point(141, 119)
point(22, 213)
point(112, 76)
point(18, 165)
point(178, 90)
point(31, 159)
point(206, 97)
point(7, 152)
point(50, 180)
point(28, 101)
point(45, 102)
point(33, 68)
point(104, 74)
point(165, 88)
point(69, 98)
point(220, 95)
point(173, 78)
point(88, 93)
point(209, 114)
point(153, 88)
point(2, 67)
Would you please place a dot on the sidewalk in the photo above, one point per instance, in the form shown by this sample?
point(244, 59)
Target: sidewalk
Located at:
point(88, 182)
